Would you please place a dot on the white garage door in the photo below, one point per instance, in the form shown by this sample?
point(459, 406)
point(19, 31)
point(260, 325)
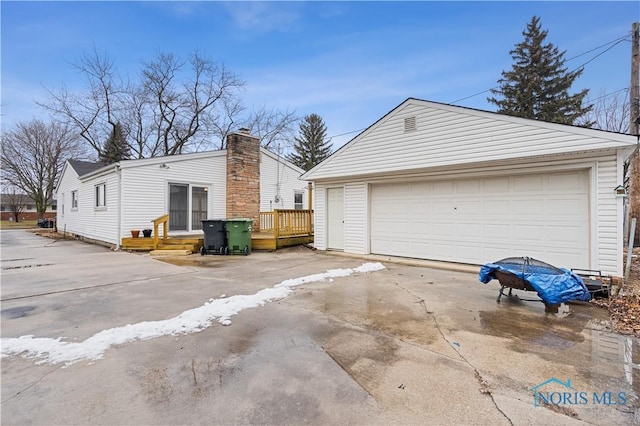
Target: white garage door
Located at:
point(544, 216)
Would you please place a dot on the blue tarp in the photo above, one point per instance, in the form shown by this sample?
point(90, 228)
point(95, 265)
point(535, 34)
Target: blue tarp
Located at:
point(553, 288)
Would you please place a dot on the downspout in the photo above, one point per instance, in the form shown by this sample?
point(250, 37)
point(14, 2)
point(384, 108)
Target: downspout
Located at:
point(119, 232)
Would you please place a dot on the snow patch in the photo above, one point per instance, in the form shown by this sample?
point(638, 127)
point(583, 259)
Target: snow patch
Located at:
point(53, 351)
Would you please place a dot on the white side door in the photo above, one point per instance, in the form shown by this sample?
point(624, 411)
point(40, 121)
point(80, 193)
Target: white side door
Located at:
point(335, 218)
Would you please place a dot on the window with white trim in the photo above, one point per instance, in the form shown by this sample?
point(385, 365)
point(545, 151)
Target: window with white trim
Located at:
point(74, 200)
point(101, 196)
point(297, 201)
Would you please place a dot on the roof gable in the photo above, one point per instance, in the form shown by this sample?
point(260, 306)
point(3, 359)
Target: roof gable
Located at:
point(420, 134)
point(85, 167)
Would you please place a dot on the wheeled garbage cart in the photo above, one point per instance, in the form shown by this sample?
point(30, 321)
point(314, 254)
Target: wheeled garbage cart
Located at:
point(215, 237)
point(239, 236)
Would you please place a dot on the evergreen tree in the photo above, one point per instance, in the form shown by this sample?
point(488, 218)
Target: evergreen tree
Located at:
point(310, 147)
point(538, 84)
point(116, 147)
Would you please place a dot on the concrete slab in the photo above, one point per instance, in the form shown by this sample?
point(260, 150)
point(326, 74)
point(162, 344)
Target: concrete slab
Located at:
point(406, 345)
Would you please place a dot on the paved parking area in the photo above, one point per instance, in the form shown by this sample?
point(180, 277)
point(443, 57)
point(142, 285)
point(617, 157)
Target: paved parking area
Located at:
point(407, 344)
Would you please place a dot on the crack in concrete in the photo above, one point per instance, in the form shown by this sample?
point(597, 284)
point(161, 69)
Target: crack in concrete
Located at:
point(483, 386)
point(31, 385)
point(90, 287)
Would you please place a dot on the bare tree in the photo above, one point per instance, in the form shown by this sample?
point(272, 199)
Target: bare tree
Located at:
point(177, 105)
point(164, 113)
point(611, 112)
point(16, 201)
point(33, 155)
point(273, 127)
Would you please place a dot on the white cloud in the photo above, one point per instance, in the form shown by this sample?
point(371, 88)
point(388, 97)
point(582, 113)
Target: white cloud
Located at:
point(261, 17)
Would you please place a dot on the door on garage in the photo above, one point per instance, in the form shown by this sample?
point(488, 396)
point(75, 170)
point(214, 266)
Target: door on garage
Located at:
point(544, 216)
point(335, 218)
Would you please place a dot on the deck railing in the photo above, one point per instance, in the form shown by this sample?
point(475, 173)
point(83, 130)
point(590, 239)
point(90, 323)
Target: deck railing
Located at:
point(287, 223)
point(164, 221)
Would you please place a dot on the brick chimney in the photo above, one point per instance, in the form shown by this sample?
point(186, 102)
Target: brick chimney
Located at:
point(243, 177)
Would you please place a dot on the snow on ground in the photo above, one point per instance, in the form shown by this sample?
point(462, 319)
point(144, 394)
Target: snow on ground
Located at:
point(54, 351)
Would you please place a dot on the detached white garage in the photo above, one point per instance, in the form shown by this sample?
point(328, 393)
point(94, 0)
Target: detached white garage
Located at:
point(440, 182)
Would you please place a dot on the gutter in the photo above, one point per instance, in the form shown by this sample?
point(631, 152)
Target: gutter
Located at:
point(119, 226)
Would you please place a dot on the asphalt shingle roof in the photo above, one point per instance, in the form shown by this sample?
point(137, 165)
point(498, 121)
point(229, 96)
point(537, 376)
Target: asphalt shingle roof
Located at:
point(85, 167)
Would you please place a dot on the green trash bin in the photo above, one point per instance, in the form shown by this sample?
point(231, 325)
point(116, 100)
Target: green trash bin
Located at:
point(239, 236)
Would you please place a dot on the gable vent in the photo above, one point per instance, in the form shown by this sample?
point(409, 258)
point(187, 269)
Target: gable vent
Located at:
point(409, 124)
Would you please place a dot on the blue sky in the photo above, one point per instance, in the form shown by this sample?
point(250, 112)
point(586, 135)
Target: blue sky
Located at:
point(349, 62)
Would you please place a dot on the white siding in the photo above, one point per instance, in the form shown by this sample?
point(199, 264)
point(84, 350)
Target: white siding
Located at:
point(355, 219)
point(320, 217)
point(145, 188)
point(98, 223)
point(279, 178)
point(66, 219)
point(447, 135)
point(608, 224)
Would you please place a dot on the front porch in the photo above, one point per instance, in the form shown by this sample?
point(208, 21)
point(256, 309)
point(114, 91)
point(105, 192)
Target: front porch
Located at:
point(277, 229)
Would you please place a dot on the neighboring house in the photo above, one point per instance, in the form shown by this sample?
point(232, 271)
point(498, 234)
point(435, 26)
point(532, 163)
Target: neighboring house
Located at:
point(441, 182)
point(26, 205)
point(105, 202)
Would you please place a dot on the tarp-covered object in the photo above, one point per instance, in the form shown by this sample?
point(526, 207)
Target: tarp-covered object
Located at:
point(553, 285)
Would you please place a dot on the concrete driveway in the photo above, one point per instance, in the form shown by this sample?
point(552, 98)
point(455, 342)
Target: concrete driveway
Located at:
point(409, 344)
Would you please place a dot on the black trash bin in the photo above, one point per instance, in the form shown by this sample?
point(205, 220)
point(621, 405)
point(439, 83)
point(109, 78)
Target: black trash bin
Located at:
point(215, 237)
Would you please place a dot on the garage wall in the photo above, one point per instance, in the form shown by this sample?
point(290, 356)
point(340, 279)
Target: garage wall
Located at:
point(355, 218)
point(320, 216)
point(608, 242)
point(605, 210)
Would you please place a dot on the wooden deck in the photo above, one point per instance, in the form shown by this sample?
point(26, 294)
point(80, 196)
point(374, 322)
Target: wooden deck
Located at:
point(278, 229)
point(268, 241)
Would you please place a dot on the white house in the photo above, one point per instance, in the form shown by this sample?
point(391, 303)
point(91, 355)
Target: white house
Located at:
point(442, 182)
point(105, 202)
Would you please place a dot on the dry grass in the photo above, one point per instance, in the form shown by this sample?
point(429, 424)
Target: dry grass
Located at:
point(625, 307)
point(25, 224)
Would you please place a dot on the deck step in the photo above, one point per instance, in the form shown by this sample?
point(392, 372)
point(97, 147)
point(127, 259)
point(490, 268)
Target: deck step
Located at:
point(173, 247)
point(170, 252)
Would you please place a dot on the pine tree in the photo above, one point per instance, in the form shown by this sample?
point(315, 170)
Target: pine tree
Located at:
point(310, 147)
point(538, 84)
point(116, 147)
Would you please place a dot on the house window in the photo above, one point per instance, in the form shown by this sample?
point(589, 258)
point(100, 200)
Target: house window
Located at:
point(54, 207)
point(74, 200)
point(297, 201)
point(187, 206)
point(101, 195)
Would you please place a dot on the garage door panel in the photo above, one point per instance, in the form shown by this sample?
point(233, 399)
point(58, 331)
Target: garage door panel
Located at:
point(496, 231)
point(479, 220)
point(496, 207)
point(469, 231)
point(528, 184)
point(568, 236)
point(529, 233)
point(496, 185)
point(563, 181)
point(471, 187)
